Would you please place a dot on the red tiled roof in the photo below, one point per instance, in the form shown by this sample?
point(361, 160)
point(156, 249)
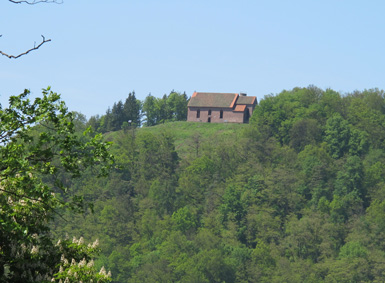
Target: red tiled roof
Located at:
point(240, 108)
point(246, 100)
point(208, 99)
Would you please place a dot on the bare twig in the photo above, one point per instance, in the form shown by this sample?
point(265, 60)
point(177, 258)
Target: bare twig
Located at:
point(30, 2)
point(33, 2)
point(26, 52)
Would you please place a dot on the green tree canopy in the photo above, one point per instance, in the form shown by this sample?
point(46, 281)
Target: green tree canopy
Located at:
point(39, 149)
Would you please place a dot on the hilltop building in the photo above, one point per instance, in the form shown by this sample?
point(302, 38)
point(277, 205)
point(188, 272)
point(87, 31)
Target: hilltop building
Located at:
point(220, 107)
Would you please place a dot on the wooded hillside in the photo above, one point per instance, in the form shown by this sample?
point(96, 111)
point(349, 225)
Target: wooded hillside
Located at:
point(297, 195)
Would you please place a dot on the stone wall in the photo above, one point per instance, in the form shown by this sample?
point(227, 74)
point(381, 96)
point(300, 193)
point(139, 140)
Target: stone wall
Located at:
point(228, 115)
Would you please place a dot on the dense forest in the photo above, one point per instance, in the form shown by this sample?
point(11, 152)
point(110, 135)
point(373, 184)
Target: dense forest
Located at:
point(297, 195)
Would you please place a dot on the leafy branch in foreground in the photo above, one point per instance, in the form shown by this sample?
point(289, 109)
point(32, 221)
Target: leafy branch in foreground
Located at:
point(38, 142)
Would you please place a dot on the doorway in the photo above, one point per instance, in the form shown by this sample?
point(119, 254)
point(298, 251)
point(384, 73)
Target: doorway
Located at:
point(246, 116)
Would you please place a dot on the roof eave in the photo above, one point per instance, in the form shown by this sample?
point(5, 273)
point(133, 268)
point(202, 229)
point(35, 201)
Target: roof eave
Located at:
point(234, 100)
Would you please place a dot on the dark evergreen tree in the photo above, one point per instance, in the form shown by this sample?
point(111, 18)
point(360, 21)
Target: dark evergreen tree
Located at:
point(132, 110)
point(117, 116)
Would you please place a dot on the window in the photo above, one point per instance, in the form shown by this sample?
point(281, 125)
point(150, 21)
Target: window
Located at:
point(198, 113)
point(221, 114)
point(210, 112)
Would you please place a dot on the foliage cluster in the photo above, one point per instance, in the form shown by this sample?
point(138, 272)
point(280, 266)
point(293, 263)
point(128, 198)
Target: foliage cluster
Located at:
point(134, 113)
point(295, 196)
point(40, 153)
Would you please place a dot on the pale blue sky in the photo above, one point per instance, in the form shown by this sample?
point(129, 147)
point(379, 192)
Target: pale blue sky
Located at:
point(102, 50)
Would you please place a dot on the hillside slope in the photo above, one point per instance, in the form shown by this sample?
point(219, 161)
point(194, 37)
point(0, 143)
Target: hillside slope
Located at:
point(185, 134)
point(295, 196)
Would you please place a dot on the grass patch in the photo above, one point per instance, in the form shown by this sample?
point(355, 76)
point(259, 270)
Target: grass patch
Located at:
point(187, 133)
